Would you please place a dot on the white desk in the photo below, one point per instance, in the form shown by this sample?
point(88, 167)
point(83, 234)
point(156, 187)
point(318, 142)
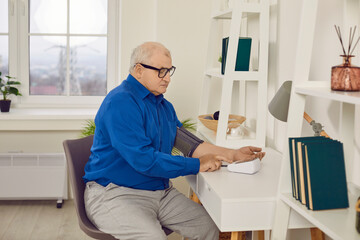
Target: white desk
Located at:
point(240, 202)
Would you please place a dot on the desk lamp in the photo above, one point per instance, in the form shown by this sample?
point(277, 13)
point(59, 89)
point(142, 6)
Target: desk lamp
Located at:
point(279, 108)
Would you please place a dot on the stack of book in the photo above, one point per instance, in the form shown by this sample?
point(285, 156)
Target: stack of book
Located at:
point(318, 172)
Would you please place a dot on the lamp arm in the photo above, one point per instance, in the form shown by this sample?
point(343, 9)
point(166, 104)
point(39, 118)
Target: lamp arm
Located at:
point(312, 122)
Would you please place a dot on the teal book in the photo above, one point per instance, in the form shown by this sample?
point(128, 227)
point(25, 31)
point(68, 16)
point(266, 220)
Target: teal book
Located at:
point(298, 167)
point(326, 178)
point(293, 169)
point(305, 164)
point(242, 56)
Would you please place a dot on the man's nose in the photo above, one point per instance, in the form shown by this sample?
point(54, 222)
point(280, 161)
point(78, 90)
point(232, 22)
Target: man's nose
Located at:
point(167, 77)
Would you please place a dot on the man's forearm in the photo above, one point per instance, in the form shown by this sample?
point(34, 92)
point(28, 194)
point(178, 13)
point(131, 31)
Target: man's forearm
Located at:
point(208, 148)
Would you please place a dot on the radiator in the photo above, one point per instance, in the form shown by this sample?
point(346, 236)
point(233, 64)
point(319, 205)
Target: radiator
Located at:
point(33, 176)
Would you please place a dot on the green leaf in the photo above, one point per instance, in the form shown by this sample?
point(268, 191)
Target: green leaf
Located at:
point(14, 91)
point(189, 125)
point(13, 83)
point(89, 129)
point(176, 152)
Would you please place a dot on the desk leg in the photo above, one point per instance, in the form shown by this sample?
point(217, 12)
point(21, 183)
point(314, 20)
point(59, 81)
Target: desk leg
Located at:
point(195, 198)
point(317, 234)
point(238, 236)
point(260, 235)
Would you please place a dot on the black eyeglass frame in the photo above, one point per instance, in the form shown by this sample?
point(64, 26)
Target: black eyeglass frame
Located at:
point(168, 70)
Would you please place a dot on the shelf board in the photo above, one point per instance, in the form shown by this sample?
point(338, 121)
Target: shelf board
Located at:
point(225, 14)
point(323, 90)
point(336, 223)
point(236, 75)
point(246, 8)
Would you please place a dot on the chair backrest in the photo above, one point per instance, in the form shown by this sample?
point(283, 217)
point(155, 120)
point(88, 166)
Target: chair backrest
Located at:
point(77, 154)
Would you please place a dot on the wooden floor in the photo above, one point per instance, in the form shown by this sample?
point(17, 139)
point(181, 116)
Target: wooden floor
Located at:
point(39, 220)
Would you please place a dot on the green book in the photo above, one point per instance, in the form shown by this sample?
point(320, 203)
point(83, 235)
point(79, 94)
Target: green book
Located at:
point(326, 178)
point(305, 165)
point(298, 166)
point(293, 169)
point(242, 56)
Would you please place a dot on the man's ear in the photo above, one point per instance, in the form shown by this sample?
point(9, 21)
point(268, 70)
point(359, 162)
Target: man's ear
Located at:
point(138, 71)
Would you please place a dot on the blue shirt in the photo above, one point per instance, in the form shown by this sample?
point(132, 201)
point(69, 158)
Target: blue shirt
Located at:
point(135, 133)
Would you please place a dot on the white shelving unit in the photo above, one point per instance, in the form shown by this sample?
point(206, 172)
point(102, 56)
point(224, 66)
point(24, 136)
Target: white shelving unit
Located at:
point(336, 223)
point(240, 11)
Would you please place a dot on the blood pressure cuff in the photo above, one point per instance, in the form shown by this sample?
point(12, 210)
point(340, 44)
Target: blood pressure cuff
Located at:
point(186, 142)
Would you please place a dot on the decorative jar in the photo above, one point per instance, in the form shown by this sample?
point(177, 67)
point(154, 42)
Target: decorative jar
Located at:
point(345, 77)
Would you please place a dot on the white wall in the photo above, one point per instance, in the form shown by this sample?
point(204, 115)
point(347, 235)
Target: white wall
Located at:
point(137, 25)
point(182, 26)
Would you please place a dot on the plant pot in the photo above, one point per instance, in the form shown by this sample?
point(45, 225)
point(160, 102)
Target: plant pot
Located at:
point(5, 105)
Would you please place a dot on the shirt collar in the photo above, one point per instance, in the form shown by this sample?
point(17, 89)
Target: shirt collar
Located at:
point(142, 91)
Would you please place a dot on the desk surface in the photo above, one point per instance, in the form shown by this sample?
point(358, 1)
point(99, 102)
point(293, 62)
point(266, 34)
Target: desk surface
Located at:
point(240, 202)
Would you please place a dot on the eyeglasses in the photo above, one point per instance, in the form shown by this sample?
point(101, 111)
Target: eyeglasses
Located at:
point(161, 71)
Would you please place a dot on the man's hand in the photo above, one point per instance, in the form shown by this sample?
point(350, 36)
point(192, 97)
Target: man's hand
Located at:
point(248, 153)
point(210, 162)
point(226, 154)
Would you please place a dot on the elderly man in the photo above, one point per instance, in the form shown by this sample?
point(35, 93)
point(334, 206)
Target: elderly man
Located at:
point(128, 193)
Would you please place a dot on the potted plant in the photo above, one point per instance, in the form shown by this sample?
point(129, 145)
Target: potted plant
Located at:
point(7, 88)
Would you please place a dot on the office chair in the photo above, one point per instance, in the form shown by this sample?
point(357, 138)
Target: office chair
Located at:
point(77, 154)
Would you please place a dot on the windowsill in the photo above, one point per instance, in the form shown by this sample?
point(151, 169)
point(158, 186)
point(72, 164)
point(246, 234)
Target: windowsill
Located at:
point(26, 119)
point(47, 113)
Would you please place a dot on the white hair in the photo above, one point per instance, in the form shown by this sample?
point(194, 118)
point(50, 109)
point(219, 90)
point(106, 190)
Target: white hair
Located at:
point(144, 52)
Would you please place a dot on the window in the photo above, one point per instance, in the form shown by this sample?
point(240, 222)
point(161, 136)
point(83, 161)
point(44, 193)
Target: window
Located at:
point(4, 38)
point(67, 50)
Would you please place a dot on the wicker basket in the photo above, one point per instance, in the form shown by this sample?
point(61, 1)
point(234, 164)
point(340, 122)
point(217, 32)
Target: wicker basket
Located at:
point(234, 121)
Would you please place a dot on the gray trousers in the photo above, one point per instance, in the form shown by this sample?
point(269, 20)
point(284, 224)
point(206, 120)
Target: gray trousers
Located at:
point(128, 213)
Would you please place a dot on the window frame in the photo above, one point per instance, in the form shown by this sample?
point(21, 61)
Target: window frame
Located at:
point(12, 38)
point(19, 58)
